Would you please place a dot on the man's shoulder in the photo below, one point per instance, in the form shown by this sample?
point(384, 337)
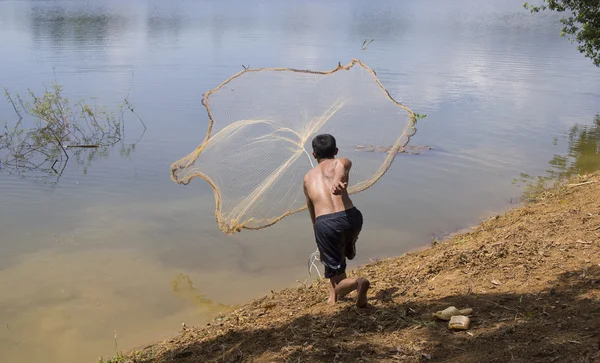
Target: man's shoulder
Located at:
point(344, 161)
point(309, 174)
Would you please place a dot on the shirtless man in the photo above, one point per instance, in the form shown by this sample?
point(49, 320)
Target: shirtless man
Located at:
point(336, 220)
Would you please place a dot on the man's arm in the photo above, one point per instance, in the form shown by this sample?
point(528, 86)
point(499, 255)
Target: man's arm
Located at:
point(309, 203)
point(341, 171)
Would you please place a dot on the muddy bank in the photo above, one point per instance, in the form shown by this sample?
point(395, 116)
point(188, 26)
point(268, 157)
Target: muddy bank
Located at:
point(531, 276)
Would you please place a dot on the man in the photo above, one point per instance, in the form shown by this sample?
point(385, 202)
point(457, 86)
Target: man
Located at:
point(336, 221)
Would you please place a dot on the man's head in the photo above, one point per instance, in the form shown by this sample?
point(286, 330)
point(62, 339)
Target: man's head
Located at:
point(324, 147)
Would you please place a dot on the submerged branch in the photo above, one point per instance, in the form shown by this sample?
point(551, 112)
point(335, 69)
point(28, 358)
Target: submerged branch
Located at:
point(60, 132)
point(9, 98)
point(83, 146)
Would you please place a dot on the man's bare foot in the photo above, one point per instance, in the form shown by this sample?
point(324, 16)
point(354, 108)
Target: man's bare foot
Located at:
point(363, 286)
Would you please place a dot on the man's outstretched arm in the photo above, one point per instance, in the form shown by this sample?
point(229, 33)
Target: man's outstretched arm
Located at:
point(341, 173)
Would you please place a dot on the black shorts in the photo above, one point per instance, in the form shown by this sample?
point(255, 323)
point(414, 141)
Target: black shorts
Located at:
point(336, 235)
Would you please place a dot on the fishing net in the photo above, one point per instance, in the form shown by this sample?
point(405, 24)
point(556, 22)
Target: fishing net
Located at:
point(261, 125)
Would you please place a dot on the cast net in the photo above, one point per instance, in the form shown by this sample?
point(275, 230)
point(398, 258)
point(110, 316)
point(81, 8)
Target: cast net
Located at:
point(261, 125)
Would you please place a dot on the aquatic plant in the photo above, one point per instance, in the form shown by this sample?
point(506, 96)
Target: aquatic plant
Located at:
point(50, 129)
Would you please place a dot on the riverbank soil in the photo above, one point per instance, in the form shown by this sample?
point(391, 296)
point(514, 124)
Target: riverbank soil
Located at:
point(531, 276)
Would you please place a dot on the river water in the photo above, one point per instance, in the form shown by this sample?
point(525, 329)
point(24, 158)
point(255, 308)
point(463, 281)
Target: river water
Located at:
point(111, 254)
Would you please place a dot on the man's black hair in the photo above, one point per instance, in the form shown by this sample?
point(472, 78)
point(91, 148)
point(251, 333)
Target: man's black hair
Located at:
point(324, 146)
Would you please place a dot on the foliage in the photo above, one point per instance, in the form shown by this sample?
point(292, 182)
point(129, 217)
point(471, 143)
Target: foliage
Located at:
point(582, 24)
point(420, 116)
point(59, 130)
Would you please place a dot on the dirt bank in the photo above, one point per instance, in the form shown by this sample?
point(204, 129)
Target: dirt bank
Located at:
point(532, 277)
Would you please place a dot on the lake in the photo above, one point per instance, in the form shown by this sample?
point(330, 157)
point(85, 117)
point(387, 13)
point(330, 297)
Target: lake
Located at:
point(110, 254)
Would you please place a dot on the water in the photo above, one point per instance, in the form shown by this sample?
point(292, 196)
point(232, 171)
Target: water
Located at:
point(114, 255)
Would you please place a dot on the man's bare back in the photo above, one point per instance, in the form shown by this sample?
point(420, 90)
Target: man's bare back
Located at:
point(326, 184)
point(336, 221)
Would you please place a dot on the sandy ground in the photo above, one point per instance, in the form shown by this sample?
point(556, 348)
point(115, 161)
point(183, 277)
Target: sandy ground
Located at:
point(531, 276)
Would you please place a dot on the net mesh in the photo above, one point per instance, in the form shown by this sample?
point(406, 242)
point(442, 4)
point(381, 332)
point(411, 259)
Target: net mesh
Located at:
point(261, 125)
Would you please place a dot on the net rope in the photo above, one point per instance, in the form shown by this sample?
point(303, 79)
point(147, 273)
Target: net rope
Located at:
point(262, 120)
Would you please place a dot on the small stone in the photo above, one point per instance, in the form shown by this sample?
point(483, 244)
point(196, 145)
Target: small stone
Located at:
point(459, 322)
point(451, 311)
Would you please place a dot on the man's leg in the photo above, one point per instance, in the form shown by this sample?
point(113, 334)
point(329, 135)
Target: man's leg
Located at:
point(350, 249)
point(351, 236)
point(331, 245)
point(341, 286)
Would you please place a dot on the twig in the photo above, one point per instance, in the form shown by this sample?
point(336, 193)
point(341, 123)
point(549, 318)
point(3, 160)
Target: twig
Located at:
point(366, 44)
point(583, 242)
point(584, 183)
point(52, 167)
point(130, 107)
point(12, 103)
point(83, 146)
point(502, 306)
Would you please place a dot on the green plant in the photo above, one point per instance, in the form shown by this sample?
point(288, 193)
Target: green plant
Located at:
point(119, 358)
point(144, 356)
point(419, 116)
point(55, 129)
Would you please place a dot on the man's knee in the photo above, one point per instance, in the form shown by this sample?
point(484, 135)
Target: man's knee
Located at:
point(331, 273)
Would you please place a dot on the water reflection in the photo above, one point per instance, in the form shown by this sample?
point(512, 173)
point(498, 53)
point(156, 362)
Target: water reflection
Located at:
point(183, 287)
point(86, 26)
point(381, 23)
point(165, 26)
point(584, 152)
point(496, 82)
point(583, 157)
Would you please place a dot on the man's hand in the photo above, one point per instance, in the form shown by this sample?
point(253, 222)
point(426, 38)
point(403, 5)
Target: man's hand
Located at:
point(338, 187)
point(341, 170)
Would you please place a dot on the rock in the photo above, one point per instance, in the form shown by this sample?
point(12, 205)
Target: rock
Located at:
point(459, 322)
point(451, 311)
